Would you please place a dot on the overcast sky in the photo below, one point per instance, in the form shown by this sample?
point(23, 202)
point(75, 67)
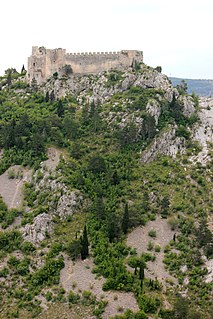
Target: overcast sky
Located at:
point(176, 34)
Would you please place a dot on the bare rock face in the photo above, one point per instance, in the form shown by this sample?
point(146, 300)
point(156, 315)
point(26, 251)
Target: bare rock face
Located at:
point(188, 105)
point(98, 87)
point(203, 131)
point(153, 79)
point(209, 266)
point(68, 204)
point(154, 109)
point(38, 231)
point(165, 144)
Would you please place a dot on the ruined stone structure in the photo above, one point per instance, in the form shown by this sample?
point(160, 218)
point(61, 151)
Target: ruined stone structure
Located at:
point(43, 63)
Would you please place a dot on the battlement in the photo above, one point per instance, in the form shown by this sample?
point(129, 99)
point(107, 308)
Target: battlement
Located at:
point(44, 62)
point(93, 53)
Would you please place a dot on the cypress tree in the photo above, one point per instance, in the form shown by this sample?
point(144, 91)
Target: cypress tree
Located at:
point(125, 221)
point(60, 108)
point(84, 245)
point(23, 69)
point(141, 272)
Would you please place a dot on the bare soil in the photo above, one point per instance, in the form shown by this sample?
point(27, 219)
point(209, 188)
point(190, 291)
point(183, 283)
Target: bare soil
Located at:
point(11, 188)
point(139, 239)
point(78, 277)
point(54, 155)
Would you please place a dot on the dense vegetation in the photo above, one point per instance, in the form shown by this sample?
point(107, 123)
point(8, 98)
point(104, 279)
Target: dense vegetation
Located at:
point(103, 162)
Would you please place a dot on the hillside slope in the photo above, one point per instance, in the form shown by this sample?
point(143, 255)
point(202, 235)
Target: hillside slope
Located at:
point(115, 213)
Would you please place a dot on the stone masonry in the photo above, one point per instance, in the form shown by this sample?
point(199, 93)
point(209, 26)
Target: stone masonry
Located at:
point(43, 63)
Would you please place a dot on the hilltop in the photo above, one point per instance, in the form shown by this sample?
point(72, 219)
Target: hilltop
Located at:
point(106, 183)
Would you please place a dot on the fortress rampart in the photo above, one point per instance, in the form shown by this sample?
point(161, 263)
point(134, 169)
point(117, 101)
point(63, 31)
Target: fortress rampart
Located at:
point(44, 62)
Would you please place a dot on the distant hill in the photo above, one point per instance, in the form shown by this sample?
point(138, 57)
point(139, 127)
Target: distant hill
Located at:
point(200, 87)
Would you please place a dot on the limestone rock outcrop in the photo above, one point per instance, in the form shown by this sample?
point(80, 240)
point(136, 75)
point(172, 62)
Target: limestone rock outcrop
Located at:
point(58, 199)
point(97, 88)
point(167, 143)
point(36, 232)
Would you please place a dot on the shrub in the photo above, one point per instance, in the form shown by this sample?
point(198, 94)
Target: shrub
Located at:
point(148, 303)
point(152, 233)
point(99, 310)
point(11, 174)
point(150, 245)
point(49, 296)
point(10, 240)
point(4, 272)
point(157, 248)
point(27, 247)
point(74, 249)
point(173, 222)
point(182, 132)
point(48, 274)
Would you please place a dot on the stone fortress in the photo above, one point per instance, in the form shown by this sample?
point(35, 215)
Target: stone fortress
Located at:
point(43, 63)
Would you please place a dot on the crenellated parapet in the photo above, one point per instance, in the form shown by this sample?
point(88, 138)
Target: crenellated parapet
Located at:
point(43, 63)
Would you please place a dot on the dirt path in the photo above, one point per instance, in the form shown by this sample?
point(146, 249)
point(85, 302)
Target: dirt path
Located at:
point(139, 239)
point(11, 188)
point(78, 277)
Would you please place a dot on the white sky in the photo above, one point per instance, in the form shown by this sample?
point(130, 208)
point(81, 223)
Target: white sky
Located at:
point(176, 34)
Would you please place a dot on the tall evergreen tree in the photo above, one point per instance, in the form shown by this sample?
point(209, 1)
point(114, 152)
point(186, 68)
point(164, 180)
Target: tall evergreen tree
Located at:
point(84, 245)
point(52, 96)
point(99, 208)
point(60, 108)
point(141, 273)
point(115, 178)
point(23, 69)
point(125, 221)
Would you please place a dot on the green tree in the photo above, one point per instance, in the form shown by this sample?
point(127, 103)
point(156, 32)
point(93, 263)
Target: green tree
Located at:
point(115, 178)
point(182, 87)
point(47, 97)
point(97, 164)
point(60, 108)
point(141, 272)
point(23, 69)
point(34, 85)
point(8, 134)
point(145, 202)
point(165, 203)
point(148, 127)
point(125, 221)
point(71, 127)
point(67, 70)
point(181, 308)
point(84, 245)
point(99, 208)
point(74, 249)
point(52, 96)
point(128, 134)
point(176, 110)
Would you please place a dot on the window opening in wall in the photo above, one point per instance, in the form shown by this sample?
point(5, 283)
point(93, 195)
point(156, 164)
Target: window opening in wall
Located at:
point(34, 64)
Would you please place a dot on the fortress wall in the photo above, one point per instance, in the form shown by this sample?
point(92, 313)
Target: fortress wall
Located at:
point(92, 62)
point(44, 62)
point(101, 61)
